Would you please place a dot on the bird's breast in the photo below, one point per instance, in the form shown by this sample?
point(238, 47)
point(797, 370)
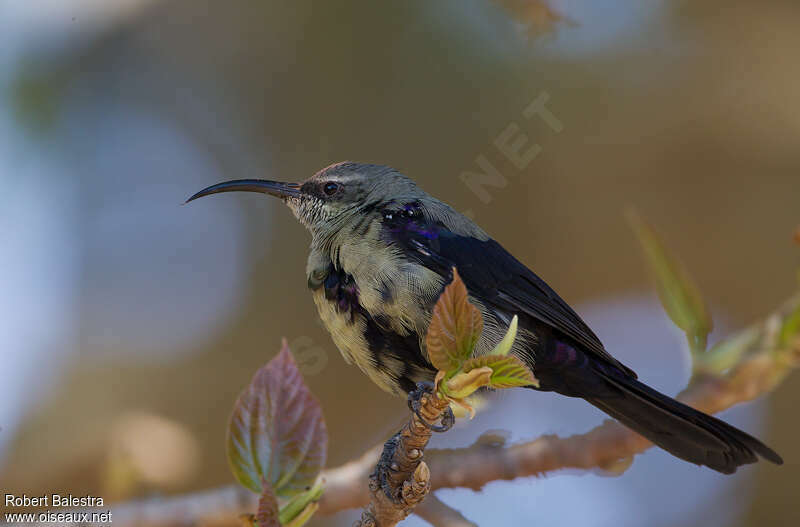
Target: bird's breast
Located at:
point(368, 333)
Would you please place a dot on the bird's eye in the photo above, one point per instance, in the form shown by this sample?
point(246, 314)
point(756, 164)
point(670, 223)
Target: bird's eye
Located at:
point(330, 188)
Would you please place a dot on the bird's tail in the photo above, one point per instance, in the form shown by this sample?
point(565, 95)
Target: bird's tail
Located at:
point(677, 428)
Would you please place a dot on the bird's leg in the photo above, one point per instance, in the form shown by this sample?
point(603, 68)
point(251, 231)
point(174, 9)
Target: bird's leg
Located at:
point(415, 404)
point(403, 452)
point(385, 468)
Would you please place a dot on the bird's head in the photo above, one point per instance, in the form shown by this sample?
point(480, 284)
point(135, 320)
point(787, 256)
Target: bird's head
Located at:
point(328, 199)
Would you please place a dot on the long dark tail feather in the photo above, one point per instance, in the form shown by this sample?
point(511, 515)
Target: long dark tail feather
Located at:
point(677, 428)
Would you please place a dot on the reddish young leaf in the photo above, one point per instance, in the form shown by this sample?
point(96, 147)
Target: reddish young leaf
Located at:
point(455, 328)
point(267, 515)
point(277, 432)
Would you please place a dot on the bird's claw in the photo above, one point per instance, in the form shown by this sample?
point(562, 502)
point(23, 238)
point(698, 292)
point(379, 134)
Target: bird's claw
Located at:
point(385, 466)
point(415, 403)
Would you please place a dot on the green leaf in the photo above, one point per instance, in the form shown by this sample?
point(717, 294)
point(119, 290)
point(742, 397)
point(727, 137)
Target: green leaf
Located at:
point(277, 433)
point(305, 515)
point(267, 515)
point(790, 329)
point(464, 384)
point(507, 371)
point(506, 344)
point(300, 505)
point(678, 294)
point(455, 328)
point(726, 353)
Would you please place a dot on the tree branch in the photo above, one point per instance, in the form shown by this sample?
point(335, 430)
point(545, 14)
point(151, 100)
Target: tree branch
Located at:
point(440, 514)
point(741, 368)
point(407, 477)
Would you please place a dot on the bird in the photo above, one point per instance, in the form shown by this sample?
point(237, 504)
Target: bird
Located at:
point(382, 251)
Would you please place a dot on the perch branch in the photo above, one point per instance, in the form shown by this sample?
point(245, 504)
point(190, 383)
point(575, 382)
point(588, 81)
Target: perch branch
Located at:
point(439, 514)
point(761, 361)
point(408, 477)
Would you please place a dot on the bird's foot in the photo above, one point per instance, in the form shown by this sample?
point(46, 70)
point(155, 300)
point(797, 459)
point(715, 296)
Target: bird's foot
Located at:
point(396, 465)
point(381, 478)
point(415, 404)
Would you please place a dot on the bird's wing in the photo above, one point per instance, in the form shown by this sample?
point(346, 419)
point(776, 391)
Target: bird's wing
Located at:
point(499, 280)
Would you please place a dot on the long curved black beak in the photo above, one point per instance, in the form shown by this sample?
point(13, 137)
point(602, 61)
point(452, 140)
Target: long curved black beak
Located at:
point(273, 188)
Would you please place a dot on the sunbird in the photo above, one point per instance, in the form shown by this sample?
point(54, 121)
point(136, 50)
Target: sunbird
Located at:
point(382, 251)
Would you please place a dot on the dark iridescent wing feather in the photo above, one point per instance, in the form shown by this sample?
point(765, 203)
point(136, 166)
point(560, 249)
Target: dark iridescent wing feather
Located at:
point(502, 282)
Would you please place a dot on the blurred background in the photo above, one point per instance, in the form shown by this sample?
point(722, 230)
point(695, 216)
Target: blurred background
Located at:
point(129, 323)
